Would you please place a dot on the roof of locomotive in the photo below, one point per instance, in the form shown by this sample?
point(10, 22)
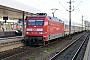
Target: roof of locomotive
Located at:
point(49, 17)
point(43, 15)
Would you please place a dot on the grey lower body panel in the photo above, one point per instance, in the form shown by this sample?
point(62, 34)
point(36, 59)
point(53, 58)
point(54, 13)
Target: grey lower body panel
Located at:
point(54, 36)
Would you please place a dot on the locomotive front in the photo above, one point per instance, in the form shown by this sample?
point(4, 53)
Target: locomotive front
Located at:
point(34, 32)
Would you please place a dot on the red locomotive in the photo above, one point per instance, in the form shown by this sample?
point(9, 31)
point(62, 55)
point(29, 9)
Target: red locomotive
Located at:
point(41, 29)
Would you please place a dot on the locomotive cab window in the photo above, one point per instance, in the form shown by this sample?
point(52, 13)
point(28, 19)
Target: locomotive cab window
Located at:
point(35, 22)
point(39, 22)
point(31, 22)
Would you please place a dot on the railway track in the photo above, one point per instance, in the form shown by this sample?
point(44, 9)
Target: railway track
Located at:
point(17, 52)
point(13, 53)
point(21, 51)
point(74, 50)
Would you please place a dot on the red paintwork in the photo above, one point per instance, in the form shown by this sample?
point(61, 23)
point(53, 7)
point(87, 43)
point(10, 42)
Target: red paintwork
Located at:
point(55, 27)
point(52, 28)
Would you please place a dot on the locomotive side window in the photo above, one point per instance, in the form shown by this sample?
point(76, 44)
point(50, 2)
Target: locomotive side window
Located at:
point(31, 22)
point(39, 22)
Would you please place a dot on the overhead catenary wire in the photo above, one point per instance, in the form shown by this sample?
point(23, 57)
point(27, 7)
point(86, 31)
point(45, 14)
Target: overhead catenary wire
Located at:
point(76, 6)
point(64, 7)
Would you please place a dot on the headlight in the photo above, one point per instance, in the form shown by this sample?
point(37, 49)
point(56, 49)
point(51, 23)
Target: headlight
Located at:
point(27, 32)
point(40, 32)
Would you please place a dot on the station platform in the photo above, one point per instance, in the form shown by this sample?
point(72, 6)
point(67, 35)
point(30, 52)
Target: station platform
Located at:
point(7, 33)
point(87, 53)
point(8, 43)
point(10, 39)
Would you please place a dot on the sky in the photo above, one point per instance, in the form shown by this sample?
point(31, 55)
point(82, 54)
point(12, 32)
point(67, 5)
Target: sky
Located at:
point(82, 8)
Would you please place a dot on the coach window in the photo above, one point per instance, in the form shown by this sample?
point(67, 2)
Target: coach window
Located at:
point(31, 22)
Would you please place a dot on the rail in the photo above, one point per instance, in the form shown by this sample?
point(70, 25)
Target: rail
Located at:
point(66, 48)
